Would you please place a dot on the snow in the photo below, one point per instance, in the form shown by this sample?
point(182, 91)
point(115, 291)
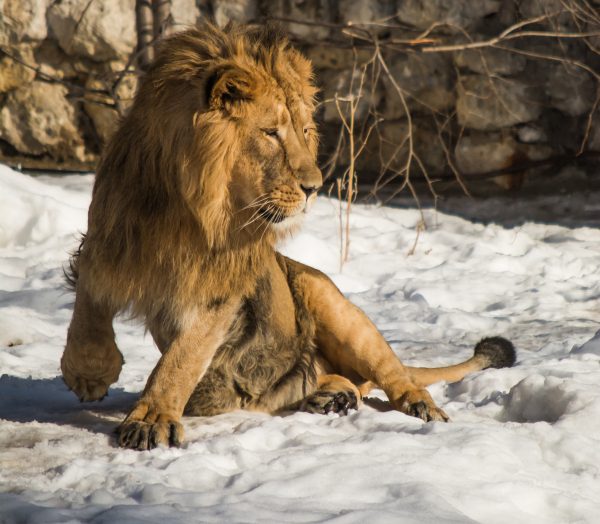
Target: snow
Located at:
point(523, 446)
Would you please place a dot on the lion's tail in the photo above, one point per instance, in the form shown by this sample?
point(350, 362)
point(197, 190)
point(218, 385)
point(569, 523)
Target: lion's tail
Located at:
point(492, 352)
point(71, 273)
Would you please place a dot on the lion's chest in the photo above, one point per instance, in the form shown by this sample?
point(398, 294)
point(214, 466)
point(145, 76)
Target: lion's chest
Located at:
point(269, 344)
point(267, 316)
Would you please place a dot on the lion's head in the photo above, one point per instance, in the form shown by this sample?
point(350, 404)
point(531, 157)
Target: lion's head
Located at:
point(225, 121)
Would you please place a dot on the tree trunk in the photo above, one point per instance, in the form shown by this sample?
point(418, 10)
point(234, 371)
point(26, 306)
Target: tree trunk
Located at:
point(161, 9)
point(145, 33)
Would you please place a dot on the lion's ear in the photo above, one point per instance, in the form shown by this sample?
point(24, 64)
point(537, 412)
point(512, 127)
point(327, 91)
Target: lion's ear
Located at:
point(231, 86)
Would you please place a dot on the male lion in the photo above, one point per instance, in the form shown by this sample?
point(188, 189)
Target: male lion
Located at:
point(214, 163)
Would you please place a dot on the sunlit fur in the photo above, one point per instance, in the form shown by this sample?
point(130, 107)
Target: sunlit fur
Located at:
point(174, 218)
point(213, 165)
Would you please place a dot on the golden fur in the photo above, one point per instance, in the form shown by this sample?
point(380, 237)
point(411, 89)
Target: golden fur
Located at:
point(213, 165)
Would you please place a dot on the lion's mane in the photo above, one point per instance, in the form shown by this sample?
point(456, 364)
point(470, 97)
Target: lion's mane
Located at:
point(161, 224)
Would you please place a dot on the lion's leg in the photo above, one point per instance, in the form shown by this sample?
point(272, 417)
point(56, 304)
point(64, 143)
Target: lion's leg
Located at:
point(91, 361)
point(154, 418)
point(352, 344)
point(355, 349)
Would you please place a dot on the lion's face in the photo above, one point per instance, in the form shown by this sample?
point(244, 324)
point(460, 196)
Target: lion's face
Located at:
point(276, 178)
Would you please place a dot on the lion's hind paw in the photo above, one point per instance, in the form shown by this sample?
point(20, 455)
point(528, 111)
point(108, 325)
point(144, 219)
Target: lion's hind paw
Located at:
point(324, 402)
point(426, 413)
point(419, 404)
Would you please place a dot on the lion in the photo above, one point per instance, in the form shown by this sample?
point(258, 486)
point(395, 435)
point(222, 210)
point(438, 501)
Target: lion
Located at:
point(212, 167)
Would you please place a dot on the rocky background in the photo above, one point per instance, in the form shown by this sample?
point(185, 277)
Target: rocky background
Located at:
point(434, 94)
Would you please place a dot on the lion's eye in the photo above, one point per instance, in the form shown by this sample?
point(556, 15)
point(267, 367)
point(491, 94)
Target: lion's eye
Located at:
point(273, 133)
point(307, 133)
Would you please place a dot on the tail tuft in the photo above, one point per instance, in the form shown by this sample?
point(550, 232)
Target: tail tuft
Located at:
point(498, 352)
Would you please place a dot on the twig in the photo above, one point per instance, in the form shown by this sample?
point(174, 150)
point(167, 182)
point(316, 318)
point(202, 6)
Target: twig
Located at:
point(420, 226)
point(400, 92)
point(457, 174)
point(550, 57)
point(505, 35)
point(349, 177)
point(339, 188)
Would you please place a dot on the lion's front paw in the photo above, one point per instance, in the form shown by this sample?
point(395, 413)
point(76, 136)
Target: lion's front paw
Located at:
point(145, 428)
point(420, 405)
point(87, 390)
point(90, 380)
point(143, 435)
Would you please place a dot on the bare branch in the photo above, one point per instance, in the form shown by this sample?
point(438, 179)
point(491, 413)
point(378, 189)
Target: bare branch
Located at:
point(550, 57)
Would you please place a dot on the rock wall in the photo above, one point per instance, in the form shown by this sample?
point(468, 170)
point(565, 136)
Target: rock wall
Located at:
point(422, 86)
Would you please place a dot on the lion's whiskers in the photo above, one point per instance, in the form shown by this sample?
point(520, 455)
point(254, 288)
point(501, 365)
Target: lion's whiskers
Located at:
point(258, 201)
point(256, 215)
point(278, 213)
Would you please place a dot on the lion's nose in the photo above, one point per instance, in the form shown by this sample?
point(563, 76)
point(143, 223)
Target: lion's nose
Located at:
point(309, 190)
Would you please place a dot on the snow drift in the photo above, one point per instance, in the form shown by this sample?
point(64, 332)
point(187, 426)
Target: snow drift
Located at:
point(523, 446)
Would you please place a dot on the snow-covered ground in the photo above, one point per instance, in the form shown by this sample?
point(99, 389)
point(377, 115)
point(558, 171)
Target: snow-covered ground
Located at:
point(523, 447)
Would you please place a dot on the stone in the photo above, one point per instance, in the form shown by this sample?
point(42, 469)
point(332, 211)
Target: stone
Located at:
point(185, 14)
point(38, 119)
point(205, 10)
point(368, 12)
point(426, 144)
point(531, 135)
point(311, 11)
point(23, 20)
point(56, 64)
point(497, 61)
point(428, 80)
point(328, 57)
point(105, 118)
point(535, 8)
point(487, 106)
point(462, 13)
point(555, 9)
point(126, 90)
point(570, 89)
point(12, 73)
point(100, 31)
point(339, 85)
point(565, 133)
point(484, 152)
point(480, 153)
point(593, 141)
point(389, 146)
point(238, 10)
